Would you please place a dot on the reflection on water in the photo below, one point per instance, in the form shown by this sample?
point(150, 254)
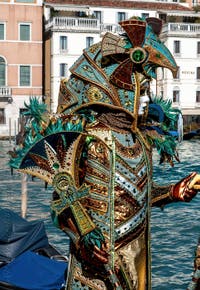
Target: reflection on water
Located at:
point(175, 230)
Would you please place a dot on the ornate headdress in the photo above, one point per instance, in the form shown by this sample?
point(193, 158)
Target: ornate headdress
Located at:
point(107, 79)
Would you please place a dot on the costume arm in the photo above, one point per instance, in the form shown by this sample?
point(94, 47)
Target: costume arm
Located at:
point(74, 220)
point(161, 195)
point(184, 190)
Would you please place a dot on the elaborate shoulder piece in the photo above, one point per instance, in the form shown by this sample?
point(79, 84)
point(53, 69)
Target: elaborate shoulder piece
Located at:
point(48, 146)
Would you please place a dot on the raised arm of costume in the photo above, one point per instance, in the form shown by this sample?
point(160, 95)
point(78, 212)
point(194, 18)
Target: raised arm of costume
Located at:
point(184, 190)
point(161, 195)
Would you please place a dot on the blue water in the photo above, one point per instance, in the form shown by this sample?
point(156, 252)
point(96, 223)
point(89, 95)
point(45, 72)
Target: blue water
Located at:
point(175, 230)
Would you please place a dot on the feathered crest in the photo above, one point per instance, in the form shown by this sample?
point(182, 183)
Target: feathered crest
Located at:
point(35, 109)
point(162, 128)
point(161, 110)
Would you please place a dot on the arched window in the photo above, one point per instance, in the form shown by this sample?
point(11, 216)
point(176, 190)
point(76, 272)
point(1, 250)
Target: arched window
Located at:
point(2, 72)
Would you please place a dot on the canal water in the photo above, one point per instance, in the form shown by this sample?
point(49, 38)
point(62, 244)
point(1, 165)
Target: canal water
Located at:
point(175, 230)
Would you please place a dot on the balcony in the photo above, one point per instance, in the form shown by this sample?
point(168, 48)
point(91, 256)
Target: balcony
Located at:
point(5, 94)
point(80, 24)
point(73, 24)
point(181, 28)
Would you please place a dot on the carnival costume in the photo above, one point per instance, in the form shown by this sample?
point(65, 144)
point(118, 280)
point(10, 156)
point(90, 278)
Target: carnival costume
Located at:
point(97, 153)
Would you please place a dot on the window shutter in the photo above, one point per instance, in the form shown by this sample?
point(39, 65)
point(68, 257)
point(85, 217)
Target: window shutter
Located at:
point(24, 32)
point(24, 75)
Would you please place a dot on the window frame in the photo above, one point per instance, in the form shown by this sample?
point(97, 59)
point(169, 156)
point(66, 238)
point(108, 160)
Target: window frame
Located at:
point(19, 31)
point(5, 72)
point(30, 75)
point(63, 70)
point(89, 41)
point(98, 14)
point(119, 14)
point(25, 1)
point(198, 47)
point(145, 15)
point(198, 96)
point(177, 47)
point(176, 95)
point(4, 30)
point(3, 116)
point(177, 76)
point(63, 42)
point(198, 73)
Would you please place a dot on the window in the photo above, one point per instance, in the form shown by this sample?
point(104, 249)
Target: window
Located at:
point(121, 16)
point(161, 72)
point(22, 111)
point(89, 41)
point(22, 117)
point(98, 15)
point(2, 72)
point(176, 96)
point(198, 73)
point(177, 77)
point(63, 43)
point(25, 32)
point(2, 116)
point(163, 17)
point(25, 1)
point(197, 96)
point(63, 69)
point(81, 14)
point(177, 46)
point(2, 31)
point(25, 76)
point(198, 47)
point(145, 15)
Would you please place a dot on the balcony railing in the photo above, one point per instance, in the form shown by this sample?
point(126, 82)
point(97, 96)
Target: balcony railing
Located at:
point(181, 28)
point(80, 24)
point(5, 91)
point(72, 23)
point(5, 94)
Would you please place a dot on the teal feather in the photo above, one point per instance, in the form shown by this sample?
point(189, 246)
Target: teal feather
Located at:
point(35, 109)
point(94, 238)
point(162, 140)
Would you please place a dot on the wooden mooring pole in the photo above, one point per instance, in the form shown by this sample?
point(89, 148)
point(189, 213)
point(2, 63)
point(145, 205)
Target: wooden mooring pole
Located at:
point(24, 195)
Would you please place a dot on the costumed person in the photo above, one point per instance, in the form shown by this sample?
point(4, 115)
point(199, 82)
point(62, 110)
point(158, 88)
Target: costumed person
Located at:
point(96, 152)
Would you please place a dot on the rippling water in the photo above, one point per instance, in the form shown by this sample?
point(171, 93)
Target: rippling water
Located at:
point(175, 230)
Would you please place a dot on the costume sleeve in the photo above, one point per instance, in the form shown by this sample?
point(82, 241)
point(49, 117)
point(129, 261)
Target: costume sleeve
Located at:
point(161, 195)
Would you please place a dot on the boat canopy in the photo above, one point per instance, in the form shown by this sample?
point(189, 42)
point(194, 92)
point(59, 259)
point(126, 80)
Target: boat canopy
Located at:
point(18, 235)
point(31, 271)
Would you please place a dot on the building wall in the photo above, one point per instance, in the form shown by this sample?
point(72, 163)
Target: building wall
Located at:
point(16, 53)
point(76, 44)
point(187, 60)
point(76, 39)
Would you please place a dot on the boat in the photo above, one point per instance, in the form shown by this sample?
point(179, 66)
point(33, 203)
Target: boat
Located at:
point(27, 260)
point(192, 134)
